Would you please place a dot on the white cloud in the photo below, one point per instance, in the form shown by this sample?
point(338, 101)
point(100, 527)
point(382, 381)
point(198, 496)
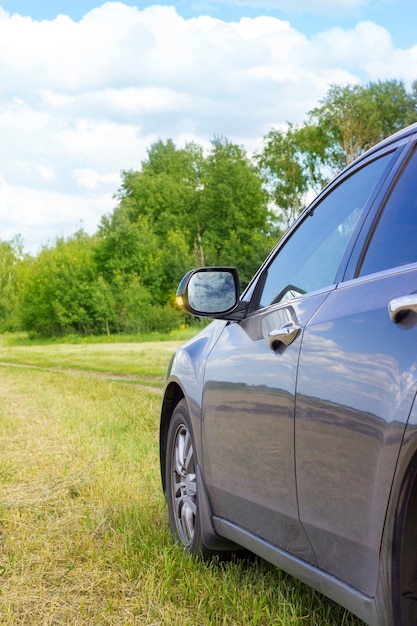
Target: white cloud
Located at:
point(90, 179)
point(357, 47)
point(41, 217)
point(81, 101)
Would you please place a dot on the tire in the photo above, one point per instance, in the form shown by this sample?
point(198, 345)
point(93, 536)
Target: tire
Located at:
point(181, 484)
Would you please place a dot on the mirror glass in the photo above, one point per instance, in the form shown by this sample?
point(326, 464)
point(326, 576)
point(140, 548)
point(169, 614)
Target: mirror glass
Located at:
point(212, 292)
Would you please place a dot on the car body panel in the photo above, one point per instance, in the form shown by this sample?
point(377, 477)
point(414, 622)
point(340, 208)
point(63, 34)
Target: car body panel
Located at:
point(354, 395)
point(248, 426)
point(185, 373)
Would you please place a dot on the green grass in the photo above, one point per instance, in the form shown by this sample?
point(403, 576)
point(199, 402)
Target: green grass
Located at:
point(26, 339)
point(84, 538)
point(128, 361)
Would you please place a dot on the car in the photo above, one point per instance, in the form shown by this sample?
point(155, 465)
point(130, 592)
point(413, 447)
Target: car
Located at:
point(289, 423)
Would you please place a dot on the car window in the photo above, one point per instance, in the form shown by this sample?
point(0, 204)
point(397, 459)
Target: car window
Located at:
point(394, 241)
point(309, 260)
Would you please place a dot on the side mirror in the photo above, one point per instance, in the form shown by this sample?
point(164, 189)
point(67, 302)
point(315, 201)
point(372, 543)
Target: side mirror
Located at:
point(211, 292)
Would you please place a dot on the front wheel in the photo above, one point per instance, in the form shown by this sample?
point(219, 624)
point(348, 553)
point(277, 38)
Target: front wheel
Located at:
point(181, 484)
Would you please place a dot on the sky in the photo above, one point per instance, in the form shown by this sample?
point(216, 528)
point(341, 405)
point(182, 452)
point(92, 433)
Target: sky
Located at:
point(87, 87)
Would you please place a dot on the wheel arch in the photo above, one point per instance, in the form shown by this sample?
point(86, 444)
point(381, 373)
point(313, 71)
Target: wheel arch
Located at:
point(212, 541)
point(173, 395)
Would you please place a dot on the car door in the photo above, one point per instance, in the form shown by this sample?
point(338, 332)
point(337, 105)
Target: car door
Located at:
point(250, 377)
point(357, 379)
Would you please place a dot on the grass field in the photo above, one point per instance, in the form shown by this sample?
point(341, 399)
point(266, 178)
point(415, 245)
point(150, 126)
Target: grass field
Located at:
point(84, 537)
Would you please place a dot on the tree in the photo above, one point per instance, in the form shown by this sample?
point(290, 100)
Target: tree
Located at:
point(58, 290)
point(291, 162)
point(165, 189)
point(11, 254)
point(349, 120)
point(234, 223)
point(183, 209)
point(355, 117)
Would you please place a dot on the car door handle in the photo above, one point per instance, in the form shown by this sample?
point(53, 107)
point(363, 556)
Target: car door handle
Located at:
point(398, 307)
point(284, 335)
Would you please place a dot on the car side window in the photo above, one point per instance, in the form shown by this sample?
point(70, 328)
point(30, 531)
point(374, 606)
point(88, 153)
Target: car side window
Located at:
point(309, 260)
point(394, 242)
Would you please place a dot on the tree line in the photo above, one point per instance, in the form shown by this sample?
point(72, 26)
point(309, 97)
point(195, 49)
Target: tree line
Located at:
point(185, 207)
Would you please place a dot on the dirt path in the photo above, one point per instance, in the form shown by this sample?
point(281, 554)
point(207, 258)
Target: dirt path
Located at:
point(115, 376)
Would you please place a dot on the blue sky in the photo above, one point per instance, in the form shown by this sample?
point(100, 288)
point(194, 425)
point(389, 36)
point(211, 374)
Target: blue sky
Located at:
point(87, 87)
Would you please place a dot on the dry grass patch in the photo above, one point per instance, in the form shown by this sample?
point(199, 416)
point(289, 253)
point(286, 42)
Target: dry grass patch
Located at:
point(64, 493)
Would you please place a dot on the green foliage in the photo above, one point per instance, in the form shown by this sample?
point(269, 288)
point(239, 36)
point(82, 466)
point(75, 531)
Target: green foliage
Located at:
point(349, 120)
point(283, 163)
point(138, 312)
point(355, 117)
point(165, 190)
point(11, 256)
point(234, 223)
point(182, 210)
point(63, 292)
point(58, 288)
